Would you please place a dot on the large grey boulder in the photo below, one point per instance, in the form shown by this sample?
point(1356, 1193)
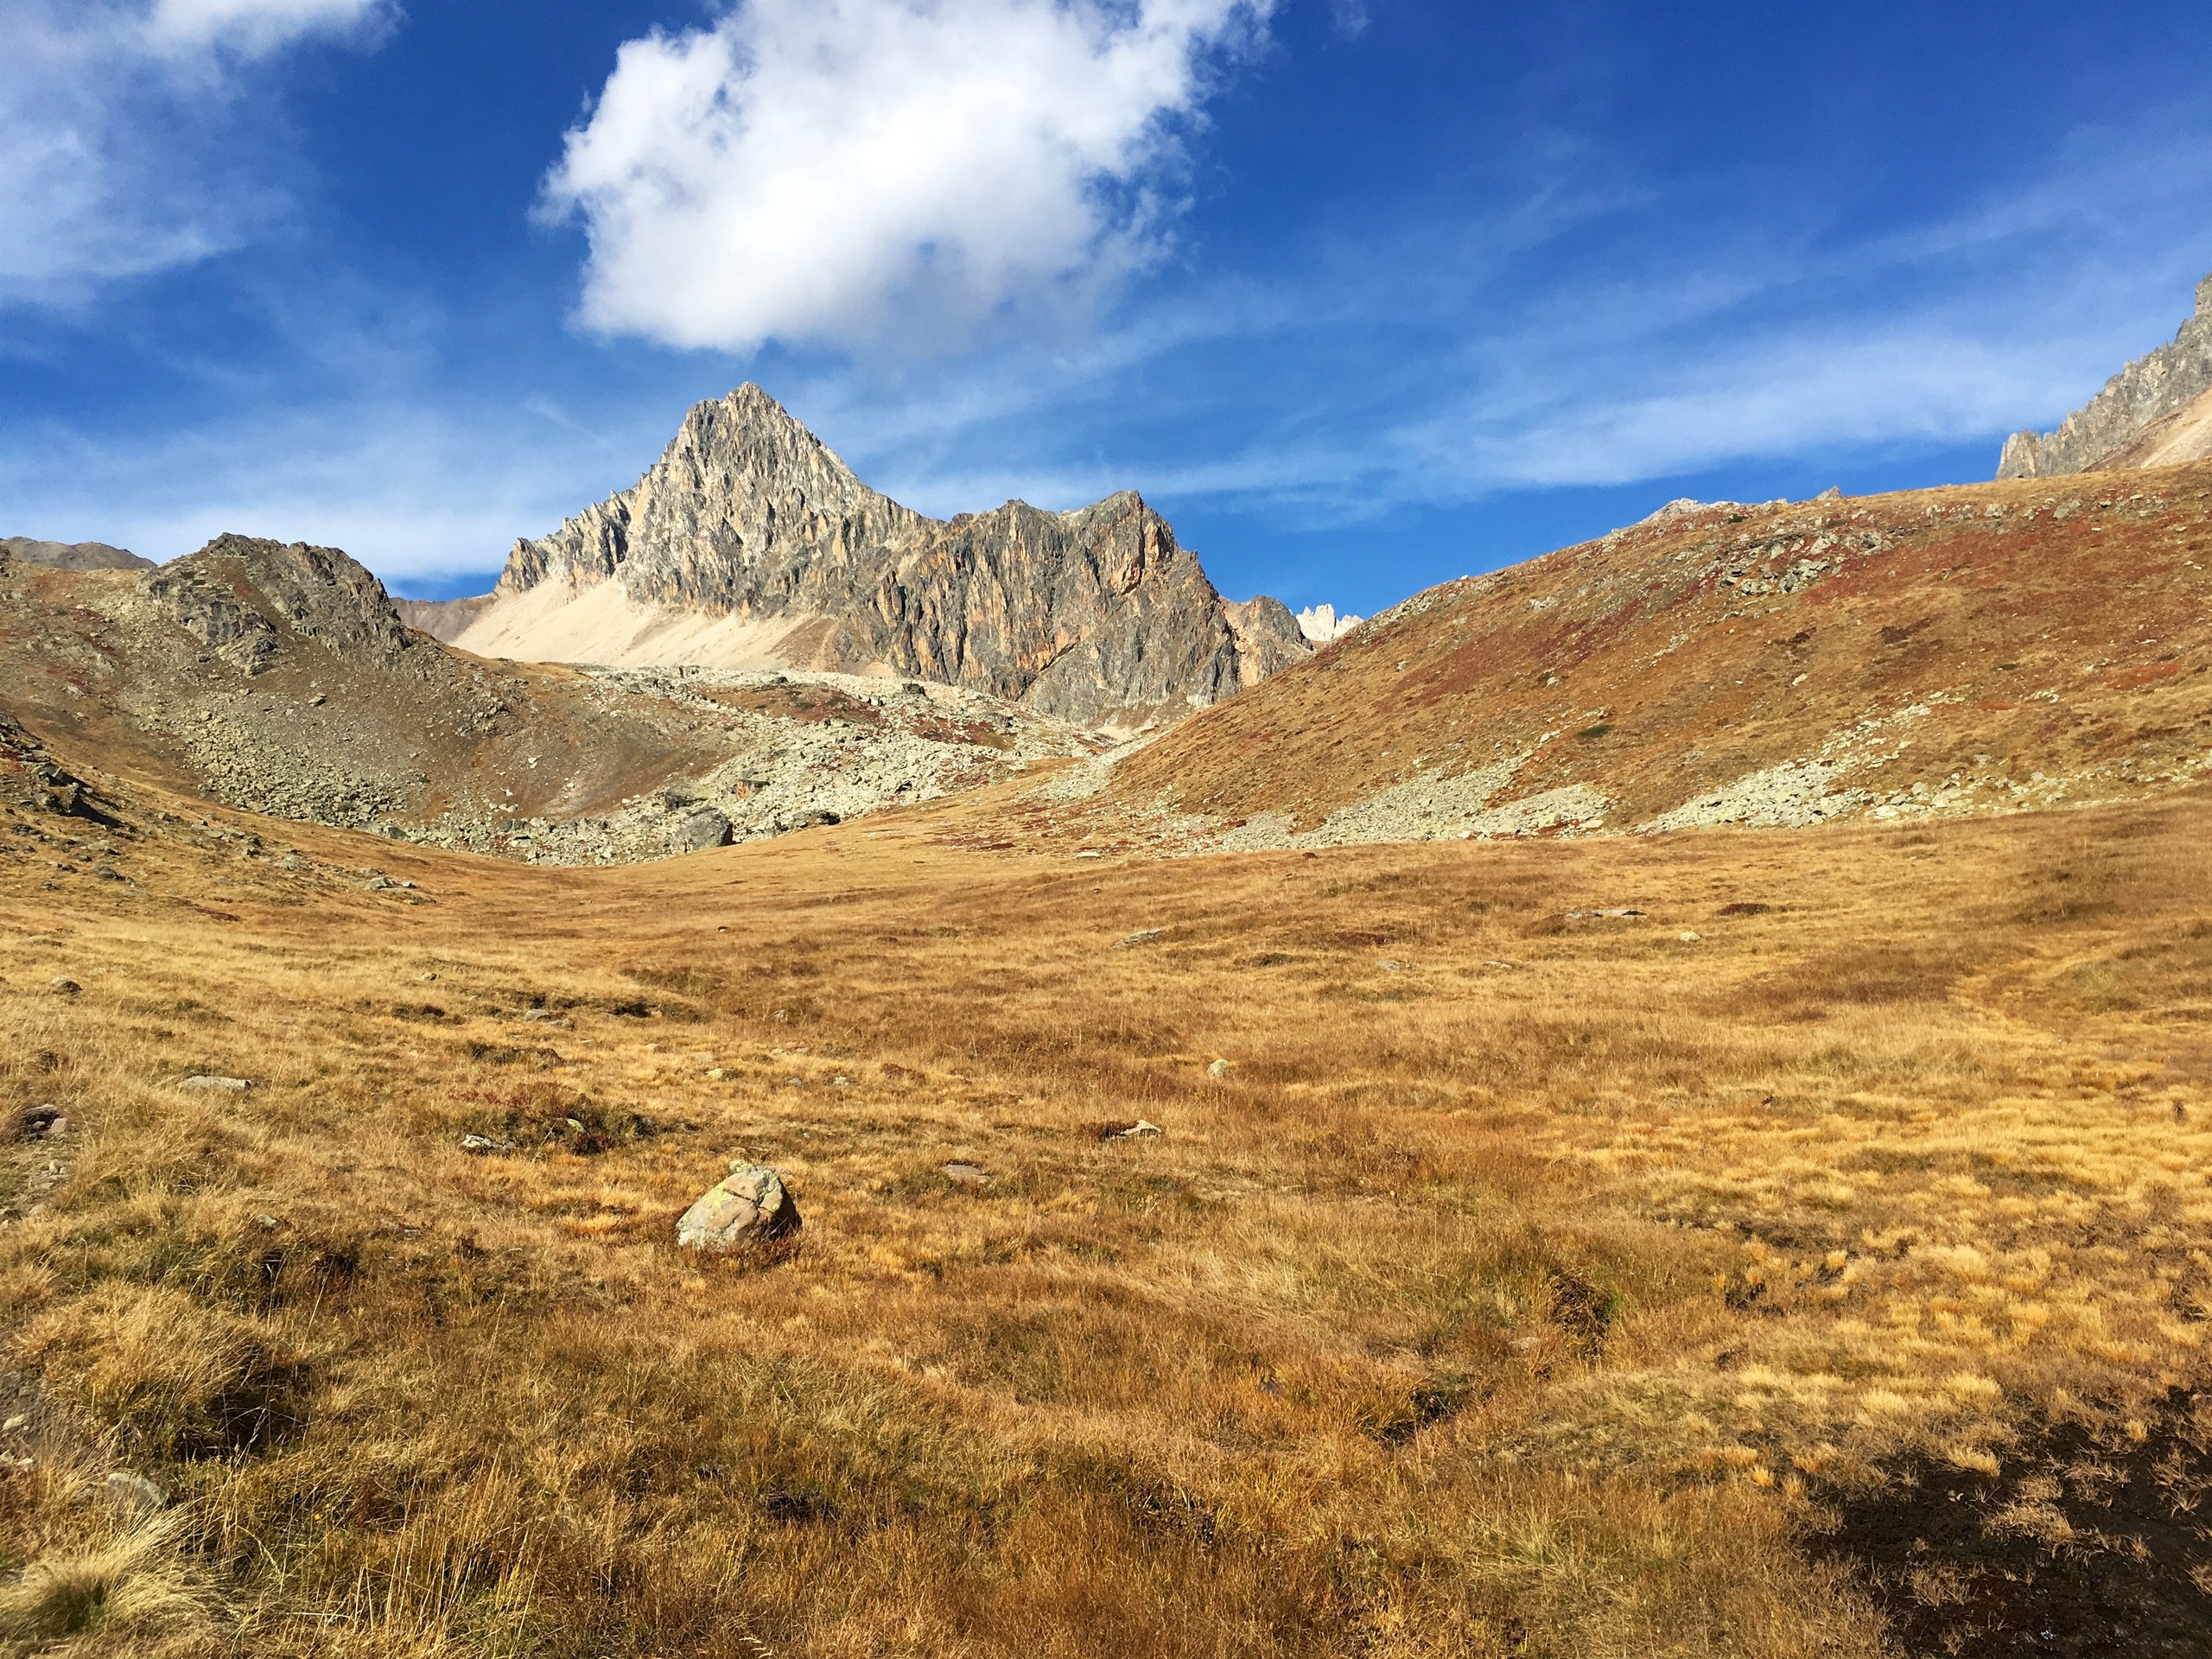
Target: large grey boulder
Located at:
point(704, 828)
point(750, 1205)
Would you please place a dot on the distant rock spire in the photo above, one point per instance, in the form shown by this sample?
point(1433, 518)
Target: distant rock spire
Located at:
point(1320, 624)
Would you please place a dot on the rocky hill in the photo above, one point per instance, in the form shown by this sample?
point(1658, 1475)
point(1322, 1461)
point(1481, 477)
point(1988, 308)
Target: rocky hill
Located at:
point(1937, 652)
point(750, 545)
point(71, 556)
point(282, 679)
point(2156, 412)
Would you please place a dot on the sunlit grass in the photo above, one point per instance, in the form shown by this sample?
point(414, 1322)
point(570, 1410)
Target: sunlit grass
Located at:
point(1471, 1309)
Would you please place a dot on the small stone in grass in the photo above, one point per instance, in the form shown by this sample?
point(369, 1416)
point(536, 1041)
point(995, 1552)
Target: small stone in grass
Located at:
point(63, 986)
point(1688, 936)
point(232, 1085)
point(1218, 1069)
point(1134, 1129)
point(965, 1175)
point(136, 1491)
point(481, 1146)
point(749, 1206)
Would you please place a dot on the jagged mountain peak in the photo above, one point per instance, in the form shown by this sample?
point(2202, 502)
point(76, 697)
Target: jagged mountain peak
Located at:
point(749, 543)
point(751, 427)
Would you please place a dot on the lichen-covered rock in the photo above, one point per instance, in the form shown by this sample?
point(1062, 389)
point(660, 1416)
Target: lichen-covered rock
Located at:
point(750, 1205)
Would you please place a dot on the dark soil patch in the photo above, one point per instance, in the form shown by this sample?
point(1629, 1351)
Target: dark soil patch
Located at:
point(2088, 1543)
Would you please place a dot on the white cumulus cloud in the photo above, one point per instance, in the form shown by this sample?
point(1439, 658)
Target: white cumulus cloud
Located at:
point(881, 171)
point(112, 114)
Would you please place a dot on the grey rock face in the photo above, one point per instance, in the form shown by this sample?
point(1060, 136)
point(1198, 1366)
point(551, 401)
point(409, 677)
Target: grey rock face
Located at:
point(746, 513)
point(216, 617)
point(2139, 396)
point(1093, 616)
point(1083, 615)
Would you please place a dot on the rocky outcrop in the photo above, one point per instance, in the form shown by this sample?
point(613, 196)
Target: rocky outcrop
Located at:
point(239, 594)
point(30, 776)
point(1322, 625)
point(750, 545)
point(1086, 615)
point(2149, 391)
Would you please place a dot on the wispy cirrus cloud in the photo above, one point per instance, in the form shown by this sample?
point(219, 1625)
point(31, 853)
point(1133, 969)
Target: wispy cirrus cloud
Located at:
point(1410, 366)
point(112, 119)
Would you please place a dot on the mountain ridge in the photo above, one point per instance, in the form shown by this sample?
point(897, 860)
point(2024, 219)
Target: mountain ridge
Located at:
point(2155, 412)
point(71, 556)
point(750, 544)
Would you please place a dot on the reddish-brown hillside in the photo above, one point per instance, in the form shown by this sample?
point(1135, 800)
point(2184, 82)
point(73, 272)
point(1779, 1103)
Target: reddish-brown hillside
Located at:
point(1950, 651)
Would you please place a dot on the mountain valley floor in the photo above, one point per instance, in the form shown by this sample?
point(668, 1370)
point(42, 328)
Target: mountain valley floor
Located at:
point(1746, 1242)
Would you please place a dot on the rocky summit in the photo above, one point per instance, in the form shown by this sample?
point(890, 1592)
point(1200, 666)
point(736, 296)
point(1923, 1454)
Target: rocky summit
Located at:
point(2155, 412)
point(749, 544)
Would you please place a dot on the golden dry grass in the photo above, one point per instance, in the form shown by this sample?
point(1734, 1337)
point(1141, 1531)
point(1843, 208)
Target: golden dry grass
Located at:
point(1528, 1282)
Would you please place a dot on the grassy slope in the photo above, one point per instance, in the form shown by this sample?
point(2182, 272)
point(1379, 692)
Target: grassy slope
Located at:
point(2051, 628)
point(1530, 1283)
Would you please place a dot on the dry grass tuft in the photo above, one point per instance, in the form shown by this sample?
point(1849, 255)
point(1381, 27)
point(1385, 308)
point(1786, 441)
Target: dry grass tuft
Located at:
point(176, 1377)
point(129, 1595)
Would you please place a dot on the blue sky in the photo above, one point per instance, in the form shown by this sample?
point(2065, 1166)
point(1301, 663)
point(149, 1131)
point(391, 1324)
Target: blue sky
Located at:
point(1362, 295)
